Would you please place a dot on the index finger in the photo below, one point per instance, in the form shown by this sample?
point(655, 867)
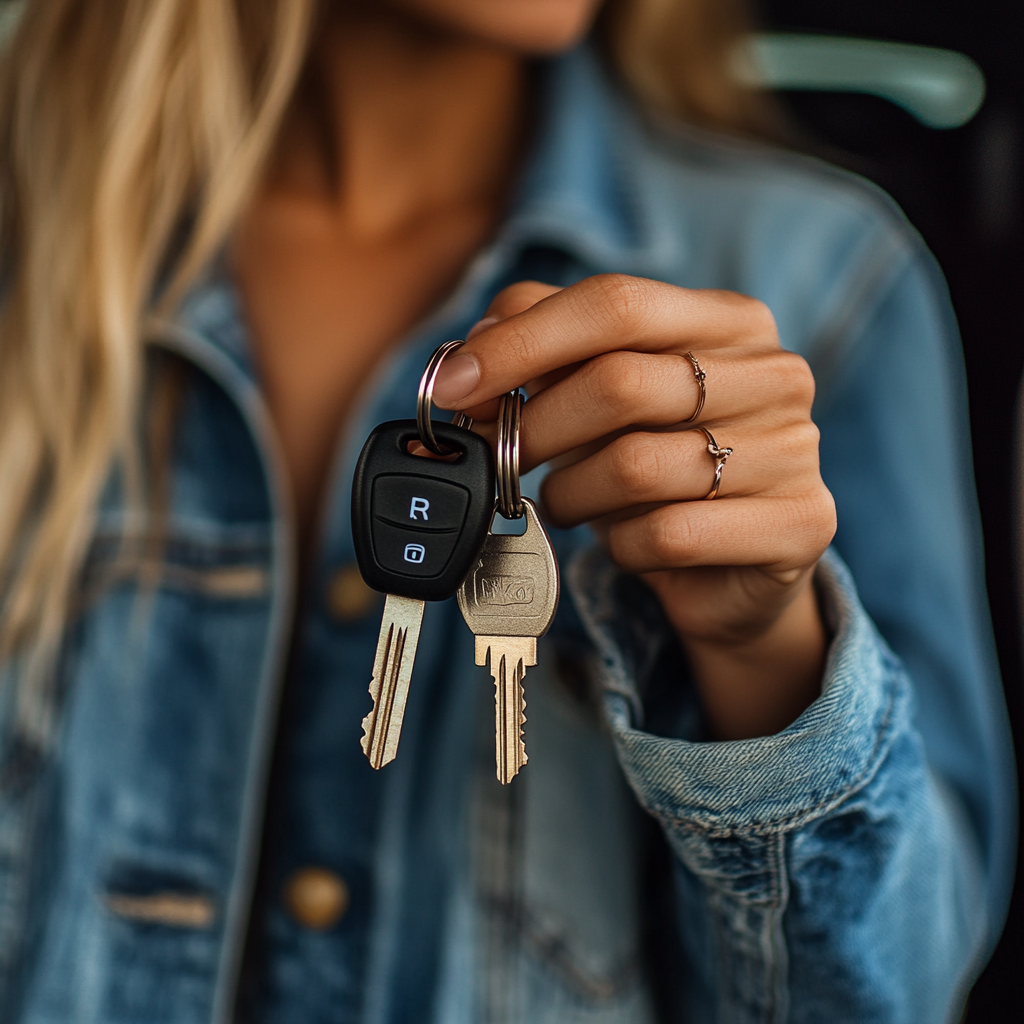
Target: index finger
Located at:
point(596, 315)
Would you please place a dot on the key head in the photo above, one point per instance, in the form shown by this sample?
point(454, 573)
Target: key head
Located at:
point(512, 587)
point(418, 523)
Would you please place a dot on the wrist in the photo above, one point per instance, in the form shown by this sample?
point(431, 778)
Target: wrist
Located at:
point(759, 686)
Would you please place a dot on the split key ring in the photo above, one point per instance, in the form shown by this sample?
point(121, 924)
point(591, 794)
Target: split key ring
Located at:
point(425, 400)
point(510, 499)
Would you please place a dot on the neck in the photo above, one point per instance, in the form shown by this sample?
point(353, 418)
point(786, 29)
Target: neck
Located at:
point(397, 123)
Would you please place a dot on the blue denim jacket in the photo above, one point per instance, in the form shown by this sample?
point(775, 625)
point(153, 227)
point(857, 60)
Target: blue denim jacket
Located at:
point(854, 867)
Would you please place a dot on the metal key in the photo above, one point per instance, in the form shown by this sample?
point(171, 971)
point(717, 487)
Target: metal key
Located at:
point(418, 525)
point(508, 600)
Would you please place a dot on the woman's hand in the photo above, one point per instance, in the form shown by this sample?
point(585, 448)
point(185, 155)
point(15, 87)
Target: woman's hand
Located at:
point(610, 385)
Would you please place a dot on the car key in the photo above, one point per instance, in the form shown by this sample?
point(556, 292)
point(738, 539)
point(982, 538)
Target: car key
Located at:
point(418, 525)
point(508, 600)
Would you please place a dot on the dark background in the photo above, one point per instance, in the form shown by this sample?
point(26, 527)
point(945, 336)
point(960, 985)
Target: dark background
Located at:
point(964, 191)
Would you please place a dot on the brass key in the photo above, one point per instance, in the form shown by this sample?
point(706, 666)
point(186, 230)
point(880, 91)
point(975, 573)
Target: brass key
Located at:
point(508, 600)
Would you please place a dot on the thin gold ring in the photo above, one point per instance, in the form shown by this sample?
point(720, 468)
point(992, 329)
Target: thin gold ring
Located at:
point(700, 376)
point(719, 455)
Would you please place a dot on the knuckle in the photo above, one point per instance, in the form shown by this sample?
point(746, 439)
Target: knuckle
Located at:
point(800, 379)
point(671, 535)
point(804, 439)
point(625, 298)
point(527, 345)
point(619, 381)
point(760, 319)
point(636, 464)
point(816, 517)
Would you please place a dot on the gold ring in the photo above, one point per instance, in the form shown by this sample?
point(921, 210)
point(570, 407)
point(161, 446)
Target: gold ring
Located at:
point(700, 376)
point(719, 455)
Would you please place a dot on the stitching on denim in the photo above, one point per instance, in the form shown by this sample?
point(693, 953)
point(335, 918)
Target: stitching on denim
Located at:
point(551, 953)
point(226, 375)
point(754, 983)
point(807, 814)
point(224, 581)
point(778, 979)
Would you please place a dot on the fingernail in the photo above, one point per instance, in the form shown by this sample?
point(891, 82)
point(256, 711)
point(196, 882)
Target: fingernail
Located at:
point(458, 376)
point(481, 325)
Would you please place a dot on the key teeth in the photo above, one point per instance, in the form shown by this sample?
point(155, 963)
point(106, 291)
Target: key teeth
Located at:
point(389, 684)
point(375, 731)
point(376, 761)
point(520, 756)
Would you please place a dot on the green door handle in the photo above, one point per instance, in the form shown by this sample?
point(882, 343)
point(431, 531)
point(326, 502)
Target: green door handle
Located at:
point(941, 88)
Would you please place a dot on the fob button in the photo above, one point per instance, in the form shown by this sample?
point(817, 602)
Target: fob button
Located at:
point(412, 552)
point(419, 503)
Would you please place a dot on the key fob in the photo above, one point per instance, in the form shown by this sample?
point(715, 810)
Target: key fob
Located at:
point(419, 523)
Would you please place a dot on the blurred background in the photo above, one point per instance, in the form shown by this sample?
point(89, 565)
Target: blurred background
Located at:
point(963, 188)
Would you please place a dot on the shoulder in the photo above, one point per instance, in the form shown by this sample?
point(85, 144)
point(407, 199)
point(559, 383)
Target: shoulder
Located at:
point(820, 245)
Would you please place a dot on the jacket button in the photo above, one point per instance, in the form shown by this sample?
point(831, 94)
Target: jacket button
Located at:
point(316, 898)
point(348, 597)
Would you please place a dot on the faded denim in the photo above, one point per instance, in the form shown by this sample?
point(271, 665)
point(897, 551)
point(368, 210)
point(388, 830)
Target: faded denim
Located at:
point(854, 868)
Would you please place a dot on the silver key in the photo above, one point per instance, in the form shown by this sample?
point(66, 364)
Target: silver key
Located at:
point(417, 528)
point(508, 600)
point(392, 670)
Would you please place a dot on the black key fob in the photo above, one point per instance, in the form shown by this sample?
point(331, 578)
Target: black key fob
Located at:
point(418, 523)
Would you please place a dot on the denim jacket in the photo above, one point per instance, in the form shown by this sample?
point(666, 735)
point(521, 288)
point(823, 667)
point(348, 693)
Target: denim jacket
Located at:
point(853, 867)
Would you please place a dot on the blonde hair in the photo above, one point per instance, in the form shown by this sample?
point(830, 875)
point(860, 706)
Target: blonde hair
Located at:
point(120, 122)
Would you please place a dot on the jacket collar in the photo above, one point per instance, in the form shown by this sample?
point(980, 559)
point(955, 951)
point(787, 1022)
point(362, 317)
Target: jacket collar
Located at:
point(588, 189)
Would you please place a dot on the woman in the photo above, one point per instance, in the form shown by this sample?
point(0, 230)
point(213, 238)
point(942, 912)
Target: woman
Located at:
point(232, 234)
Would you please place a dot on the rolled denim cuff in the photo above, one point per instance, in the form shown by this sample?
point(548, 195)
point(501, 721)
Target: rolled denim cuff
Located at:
point(758, 786)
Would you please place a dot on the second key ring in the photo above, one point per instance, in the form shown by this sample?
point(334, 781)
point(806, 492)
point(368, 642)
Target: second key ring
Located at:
point(425, 400)
point(510, 500)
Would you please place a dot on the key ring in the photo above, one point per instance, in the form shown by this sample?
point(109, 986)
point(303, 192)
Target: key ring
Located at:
point(425, 400)
point(510, 501)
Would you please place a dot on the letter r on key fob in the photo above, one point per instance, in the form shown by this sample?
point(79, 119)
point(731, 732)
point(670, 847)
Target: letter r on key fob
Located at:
point(417, 525)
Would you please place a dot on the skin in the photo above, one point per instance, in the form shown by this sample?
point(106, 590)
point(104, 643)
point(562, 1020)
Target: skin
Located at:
point(389, 180)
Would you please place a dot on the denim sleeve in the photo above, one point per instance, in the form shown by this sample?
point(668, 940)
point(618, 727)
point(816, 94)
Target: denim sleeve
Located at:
point(855, 866)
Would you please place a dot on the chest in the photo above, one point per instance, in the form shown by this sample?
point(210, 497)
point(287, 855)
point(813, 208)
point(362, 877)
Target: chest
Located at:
point(324, 306)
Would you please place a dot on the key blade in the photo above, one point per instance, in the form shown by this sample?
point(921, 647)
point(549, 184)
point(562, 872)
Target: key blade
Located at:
point(509, 658)
point(392, 671)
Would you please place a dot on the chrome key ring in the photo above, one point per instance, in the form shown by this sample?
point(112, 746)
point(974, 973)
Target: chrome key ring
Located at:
point(510, 500)
point(425, 400)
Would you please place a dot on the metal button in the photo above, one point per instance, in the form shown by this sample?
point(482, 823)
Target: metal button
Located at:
point(316, 898)
point(348, 597)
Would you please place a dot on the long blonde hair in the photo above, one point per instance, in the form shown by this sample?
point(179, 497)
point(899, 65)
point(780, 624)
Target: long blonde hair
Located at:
point(122, 120)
